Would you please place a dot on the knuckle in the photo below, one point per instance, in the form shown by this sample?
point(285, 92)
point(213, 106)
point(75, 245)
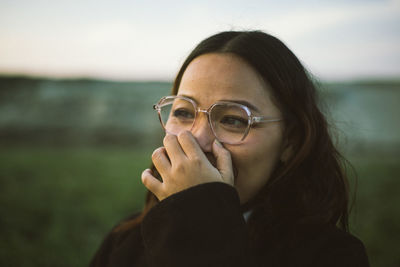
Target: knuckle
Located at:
point(197, 161)
point(168, 138)
point(179, 168)
point(184, 135)
point(156, 153)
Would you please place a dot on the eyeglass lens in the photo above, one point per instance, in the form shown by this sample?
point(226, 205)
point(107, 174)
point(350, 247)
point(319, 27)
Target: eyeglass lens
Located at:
point(229, 121)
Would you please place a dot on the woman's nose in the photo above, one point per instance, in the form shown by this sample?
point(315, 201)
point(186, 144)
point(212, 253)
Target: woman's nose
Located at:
point(202, 132)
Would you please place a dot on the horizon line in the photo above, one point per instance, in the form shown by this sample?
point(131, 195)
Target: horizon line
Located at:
point(360, 78)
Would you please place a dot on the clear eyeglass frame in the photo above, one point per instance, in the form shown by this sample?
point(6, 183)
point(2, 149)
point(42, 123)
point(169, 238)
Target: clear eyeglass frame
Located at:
point(252, 120)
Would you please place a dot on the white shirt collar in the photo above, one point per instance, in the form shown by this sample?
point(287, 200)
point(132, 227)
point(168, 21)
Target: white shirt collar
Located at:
point(247, 214)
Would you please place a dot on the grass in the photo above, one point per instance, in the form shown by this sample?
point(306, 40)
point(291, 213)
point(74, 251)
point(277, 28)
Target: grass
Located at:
point(58, 203)
point(376, 218)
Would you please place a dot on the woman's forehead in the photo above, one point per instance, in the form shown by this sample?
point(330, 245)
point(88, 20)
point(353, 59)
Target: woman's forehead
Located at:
point(223, 69)
point(216, 77)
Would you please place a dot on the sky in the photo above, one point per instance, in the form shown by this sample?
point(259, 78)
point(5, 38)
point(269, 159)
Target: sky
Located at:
point(149, 40)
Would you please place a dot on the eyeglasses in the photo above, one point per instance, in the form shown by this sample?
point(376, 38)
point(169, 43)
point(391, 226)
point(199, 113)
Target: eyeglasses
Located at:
point(230, 122)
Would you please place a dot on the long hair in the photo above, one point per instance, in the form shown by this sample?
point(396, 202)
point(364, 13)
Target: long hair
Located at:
point(311, 186)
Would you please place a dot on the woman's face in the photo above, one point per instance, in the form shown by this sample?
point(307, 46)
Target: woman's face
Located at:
point(215, 77)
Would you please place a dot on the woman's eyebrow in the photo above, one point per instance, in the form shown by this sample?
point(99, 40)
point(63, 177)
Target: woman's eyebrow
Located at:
point(242, 102)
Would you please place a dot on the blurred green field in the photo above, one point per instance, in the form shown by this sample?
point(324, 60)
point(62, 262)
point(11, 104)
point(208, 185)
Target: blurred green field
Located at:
point(58, 203)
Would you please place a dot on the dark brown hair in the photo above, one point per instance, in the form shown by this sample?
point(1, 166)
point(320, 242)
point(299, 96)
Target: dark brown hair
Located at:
point(311, 187)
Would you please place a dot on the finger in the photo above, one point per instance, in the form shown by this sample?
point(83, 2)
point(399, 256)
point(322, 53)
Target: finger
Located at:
point(173, 148)
point(151, 183)
point(161, 161)
point(190, 146)
point(224, 162)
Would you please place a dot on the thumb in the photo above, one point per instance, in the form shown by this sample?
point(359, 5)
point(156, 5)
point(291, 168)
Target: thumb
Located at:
point(224, 162)
point(152, 183)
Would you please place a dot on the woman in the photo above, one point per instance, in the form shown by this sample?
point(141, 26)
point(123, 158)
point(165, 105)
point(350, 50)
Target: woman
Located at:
point(248, 174)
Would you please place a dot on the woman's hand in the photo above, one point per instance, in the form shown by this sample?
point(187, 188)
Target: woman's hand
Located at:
point(182, 164)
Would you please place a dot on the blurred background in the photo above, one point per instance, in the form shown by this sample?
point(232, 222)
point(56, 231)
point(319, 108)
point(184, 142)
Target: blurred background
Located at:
point(77, 84)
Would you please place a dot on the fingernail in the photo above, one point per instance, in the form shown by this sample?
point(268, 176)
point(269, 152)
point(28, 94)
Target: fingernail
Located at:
point(218, 143)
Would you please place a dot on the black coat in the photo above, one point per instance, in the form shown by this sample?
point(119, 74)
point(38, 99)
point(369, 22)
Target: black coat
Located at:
point(204, 226)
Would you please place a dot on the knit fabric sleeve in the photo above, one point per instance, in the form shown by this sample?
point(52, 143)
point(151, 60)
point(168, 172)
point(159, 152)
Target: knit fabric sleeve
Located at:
point(200, 226)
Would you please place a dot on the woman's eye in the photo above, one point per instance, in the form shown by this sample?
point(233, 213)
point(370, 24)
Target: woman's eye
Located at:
point(183, 114)
point(236, 122)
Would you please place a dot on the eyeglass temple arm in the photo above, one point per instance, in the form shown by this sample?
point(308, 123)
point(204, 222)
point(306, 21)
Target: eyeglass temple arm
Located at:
point(264, 119)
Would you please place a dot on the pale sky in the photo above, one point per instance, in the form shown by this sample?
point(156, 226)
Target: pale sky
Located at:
point(148, 40)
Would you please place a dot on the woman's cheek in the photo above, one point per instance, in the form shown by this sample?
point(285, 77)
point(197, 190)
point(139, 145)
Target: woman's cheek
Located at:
point(253, 169)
